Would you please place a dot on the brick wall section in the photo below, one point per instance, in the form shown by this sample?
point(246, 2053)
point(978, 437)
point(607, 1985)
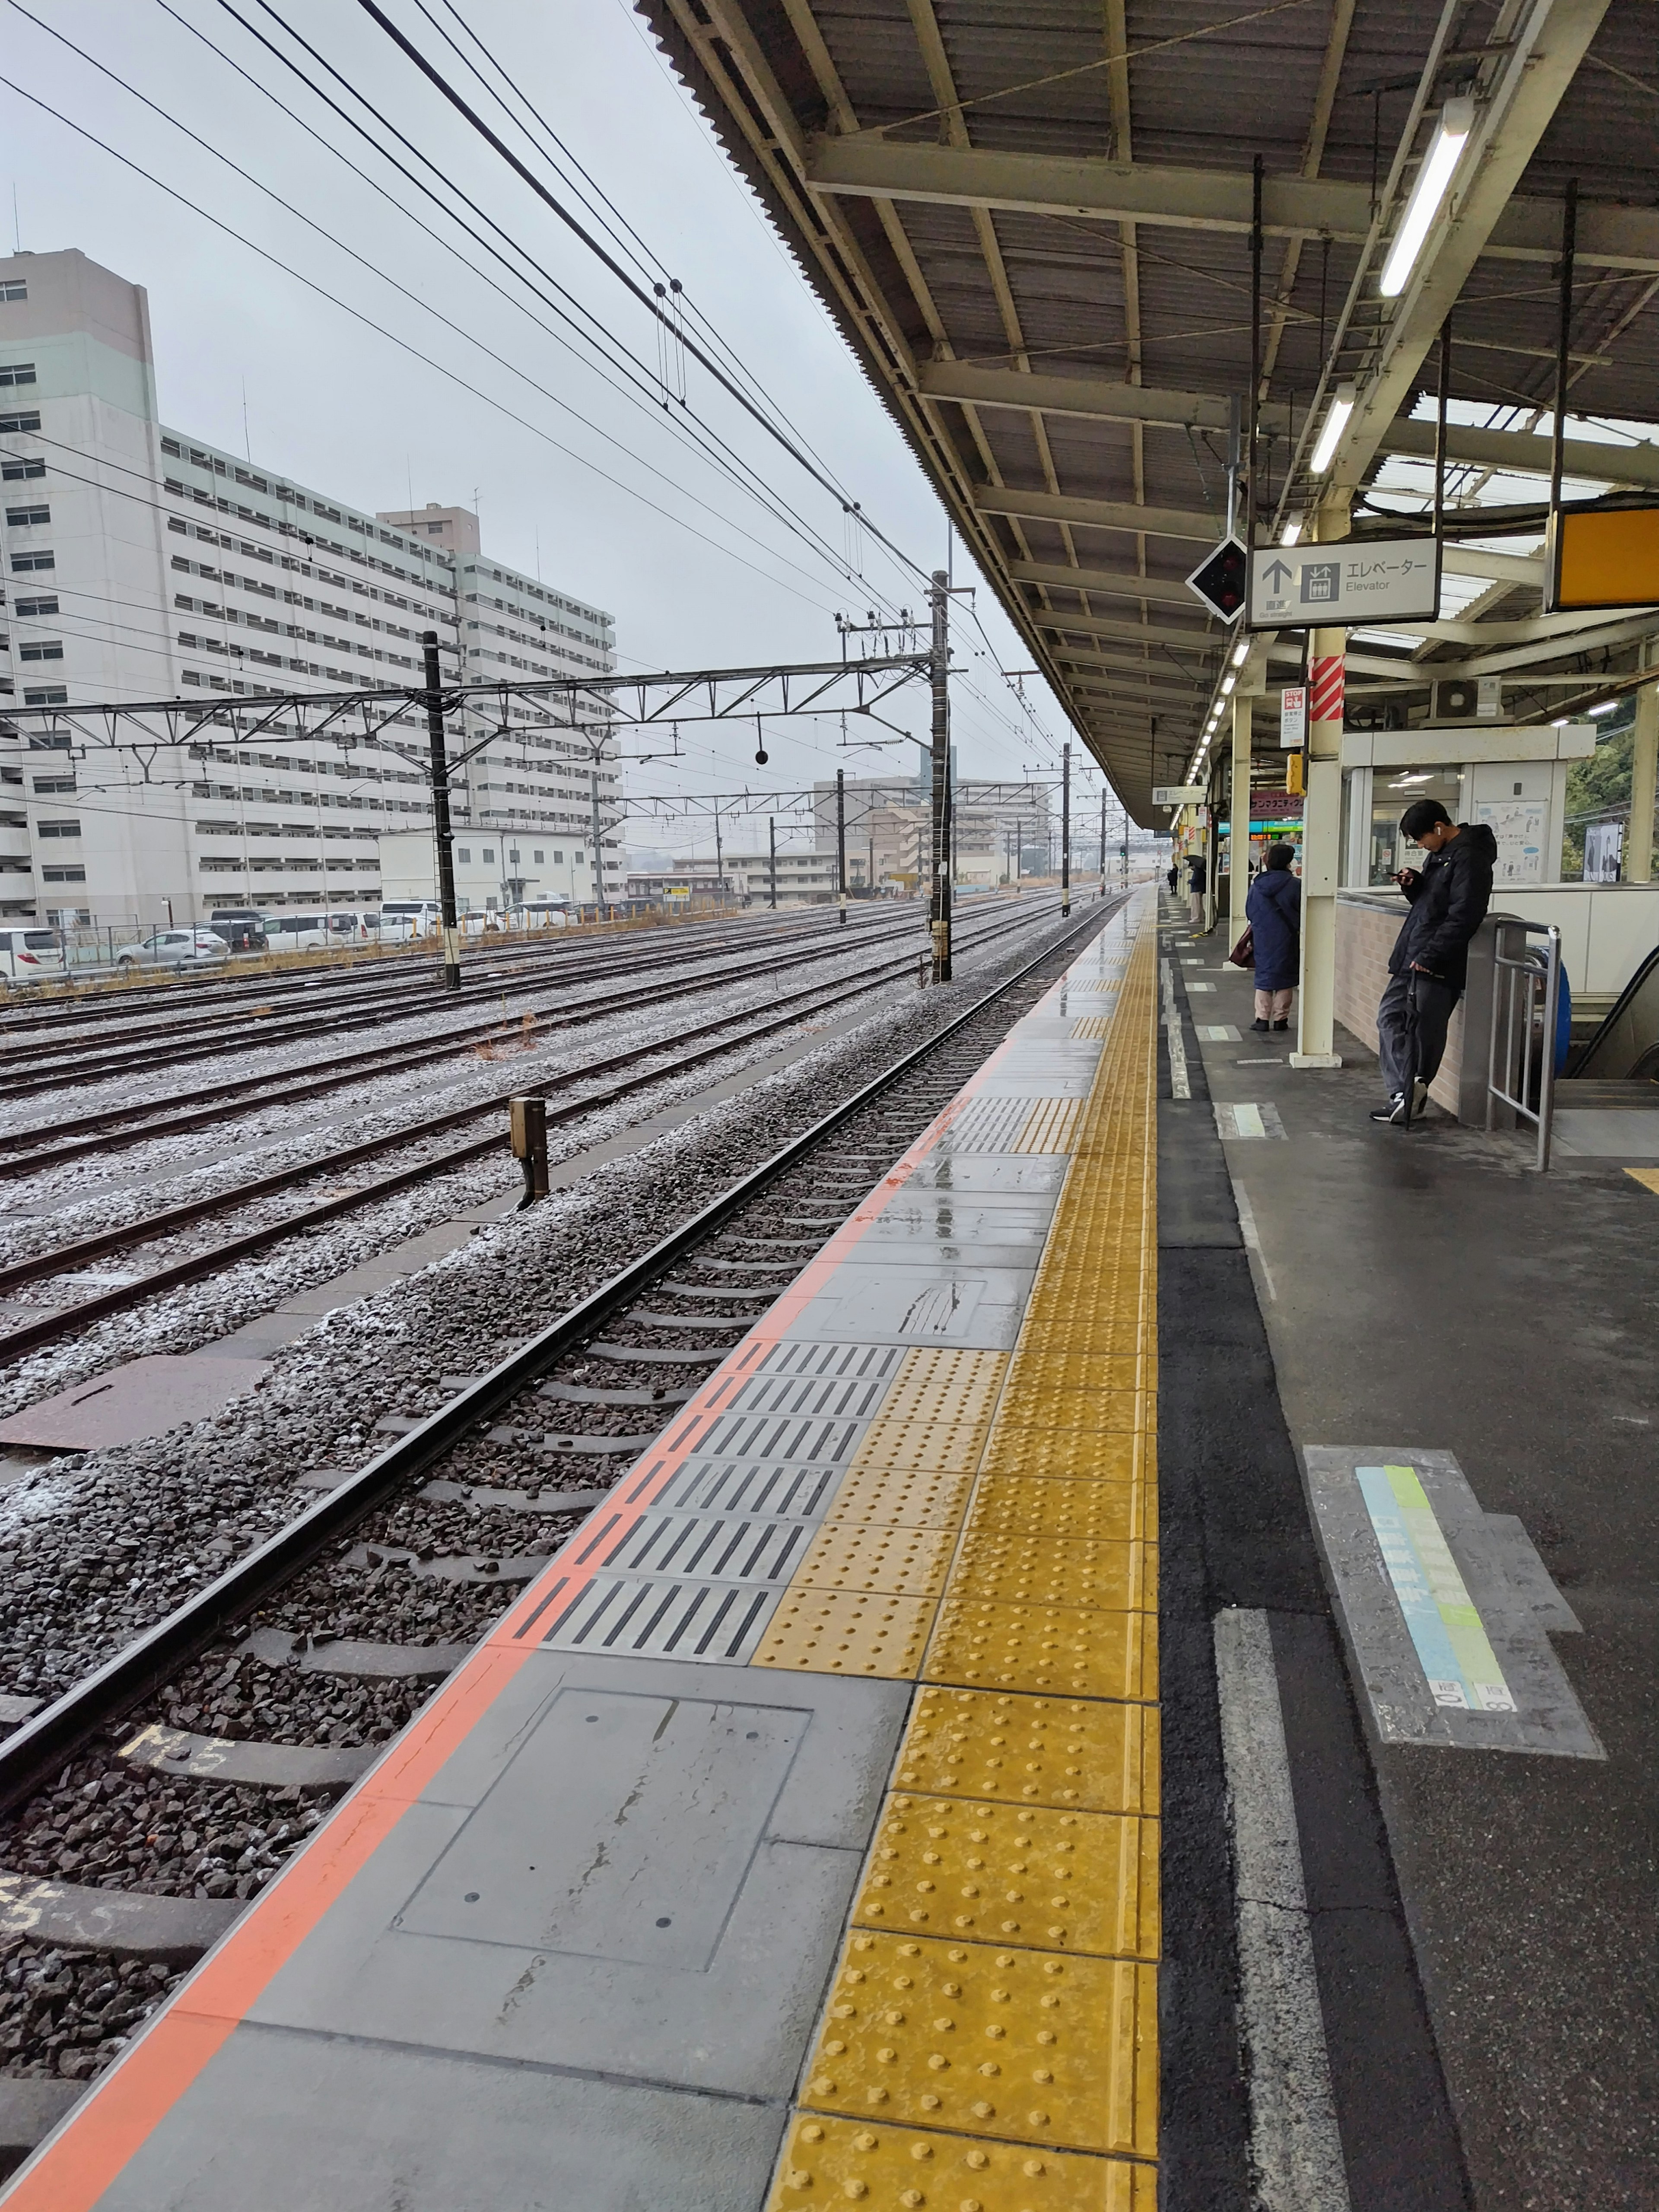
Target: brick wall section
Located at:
point(1365, 937)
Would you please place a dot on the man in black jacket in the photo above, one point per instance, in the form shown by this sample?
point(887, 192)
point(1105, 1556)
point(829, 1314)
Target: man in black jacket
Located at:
point(1429, 965)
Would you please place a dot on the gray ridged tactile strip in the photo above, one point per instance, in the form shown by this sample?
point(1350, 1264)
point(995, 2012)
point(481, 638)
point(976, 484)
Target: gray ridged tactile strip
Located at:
point(685, 1619)
point(877, 1362)
point(990, 1124)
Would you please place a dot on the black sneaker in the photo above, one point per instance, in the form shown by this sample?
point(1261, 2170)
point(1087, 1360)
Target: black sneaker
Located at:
point(1260, 1028)
point(1281, 1025)
point(1393, 1111)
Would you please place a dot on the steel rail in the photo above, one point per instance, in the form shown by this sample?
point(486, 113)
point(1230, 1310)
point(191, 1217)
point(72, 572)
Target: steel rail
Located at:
point(136, 1672)
point(16, 1343)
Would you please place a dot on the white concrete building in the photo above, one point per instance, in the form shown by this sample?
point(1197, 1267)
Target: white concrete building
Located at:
point(142, 564)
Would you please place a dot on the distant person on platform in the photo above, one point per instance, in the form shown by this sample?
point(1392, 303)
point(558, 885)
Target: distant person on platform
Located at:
point(1429, 965)
point(1274, 912)
point(1196, 880)
point(1172, 876)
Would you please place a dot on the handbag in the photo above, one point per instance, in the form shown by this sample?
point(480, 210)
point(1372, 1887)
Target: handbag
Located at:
point(1243, 953)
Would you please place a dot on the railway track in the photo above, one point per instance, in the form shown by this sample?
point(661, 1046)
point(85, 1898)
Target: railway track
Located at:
point(152, 1799)
point(67, 1259)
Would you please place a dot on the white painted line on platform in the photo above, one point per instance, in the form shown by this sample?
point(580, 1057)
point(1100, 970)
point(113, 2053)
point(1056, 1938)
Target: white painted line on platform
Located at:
point(1219, 1032)
point(1252, 1237)
point(1242, 1118)
point(1296, 2147)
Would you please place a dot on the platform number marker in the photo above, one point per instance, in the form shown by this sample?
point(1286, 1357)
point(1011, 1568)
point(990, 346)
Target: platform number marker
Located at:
point(1459, 1662)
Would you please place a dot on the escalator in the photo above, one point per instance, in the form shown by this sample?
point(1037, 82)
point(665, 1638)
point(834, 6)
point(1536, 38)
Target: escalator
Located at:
point(1625, 1048)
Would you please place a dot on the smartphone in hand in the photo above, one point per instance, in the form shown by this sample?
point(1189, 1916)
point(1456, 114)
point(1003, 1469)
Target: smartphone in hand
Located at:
point(1405, 876)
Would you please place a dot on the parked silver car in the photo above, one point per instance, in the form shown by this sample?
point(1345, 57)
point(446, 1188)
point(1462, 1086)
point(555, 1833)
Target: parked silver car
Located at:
point(174, 948)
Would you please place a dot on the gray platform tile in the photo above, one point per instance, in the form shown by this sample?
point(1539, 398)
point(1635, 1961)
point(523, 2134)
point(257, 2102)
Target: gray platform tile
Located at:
point(938, 1247)
point(843, 1397)
point(878, 1361)
point(973, 1217)
point(128, 1923)
point(257, 1766)
point(388, 2128)
point(744, 1547)
point(1023, 1175)
point(980, 1309)
point(1492, 1683)
point(631, 1616)
point(735, 1485)
point(732, 1808)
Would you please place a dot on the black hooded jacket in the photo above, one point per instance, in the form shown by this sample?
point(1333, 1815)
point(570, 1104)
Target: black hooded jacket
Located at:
point(1448, 900)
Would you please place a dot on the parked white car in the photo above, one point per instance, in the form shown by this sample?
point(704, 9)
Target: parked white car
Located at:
point(30, 956)
point(174, 948)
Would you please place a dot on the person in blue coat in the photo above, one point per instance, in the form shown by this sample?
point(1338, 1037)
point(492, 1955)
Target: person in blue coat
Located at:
point(1274, 912)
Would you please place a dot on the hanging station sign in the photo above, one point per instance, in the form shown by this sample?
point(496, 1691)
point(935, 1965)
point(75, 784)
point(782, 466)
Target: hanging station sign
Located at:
point(1601, 558)
point(1369, 580)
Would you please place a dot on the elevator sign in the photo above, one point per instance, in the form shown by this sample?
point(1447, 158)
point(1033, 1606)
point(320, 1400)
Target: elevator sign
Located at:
point(1383, 579)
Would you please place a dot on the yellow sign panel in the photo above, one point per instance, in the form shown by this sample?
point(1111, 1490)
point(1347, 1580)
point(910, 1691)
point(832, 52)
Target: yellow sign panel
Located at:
point(1604, 557)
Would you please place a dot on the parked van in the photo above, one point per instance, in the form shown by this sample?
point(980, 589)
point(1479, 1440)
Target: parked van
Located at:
point(242, 928)
point(297, 933)
point(404, 919)
point(30, 956)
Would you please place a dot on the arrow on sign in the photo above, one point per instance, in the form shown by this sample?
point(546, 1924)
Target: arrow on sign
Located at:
point(1277, 574)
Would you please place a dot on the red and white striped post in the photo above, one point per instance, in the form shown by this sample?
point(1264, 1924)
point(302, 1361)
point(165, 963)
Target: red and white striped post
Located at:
point(1322, 839)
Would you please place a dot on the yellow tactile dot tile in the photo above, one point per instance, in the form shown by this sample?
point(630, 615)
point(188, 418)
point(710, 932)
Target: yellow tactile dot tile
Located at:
point(910, 1441)
point(1039, 1506)
point(1044, 1372)
point(847, 1632)
point(909, 1497)
point(994, 2042)
point(1049, 1646)
point(1085, 1455)
point(1026, 1570)
point(1015, 1874)
point(1063, 1330)
point(956, 1383)
point(1029, 1402)
point(1070, 1752)
point(1050, 1126)
point(829, 2162)
point(855, 1556)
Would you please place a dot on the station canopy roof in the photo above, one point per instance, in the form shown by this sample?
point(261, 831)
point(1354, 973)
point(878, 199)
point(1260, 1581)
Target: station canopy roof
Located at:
point(1033, 224)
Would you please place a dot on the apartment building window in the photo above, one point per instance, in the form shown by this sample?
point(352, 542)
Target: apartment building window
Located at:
point(31, 564)
point(13, 289)
point(14, 425)
point(464, 854)
point(42, 648)
point(16, 372)
point(63, 875)
point(26, 518)
point(55, 695)
point(37, 606)
point(17, 468)
point(49, 786)
point(171, 445)
point(67, 828)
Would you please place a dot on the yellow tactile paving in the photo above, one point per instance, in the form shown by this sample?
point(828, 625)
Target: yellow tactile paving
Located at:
point(847, 1632)
point(829, 2162)
point(1015, 1874)
point(1065, 1752)
point(902, 1497)
point(1049, 1505)
point(990, 2042)
point(998, 2042)
point(857, 1557)
point(1052, 1648)
point(1648, 1176)
point(1049, 1126)
point(1082, 1455)
point(1026, 1570)
point(1033, 1403)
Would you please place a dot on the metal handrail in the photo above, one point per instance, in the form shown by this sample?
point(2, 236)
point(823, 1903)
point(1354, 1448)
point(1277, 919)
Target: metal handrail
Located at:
point(1517, 981)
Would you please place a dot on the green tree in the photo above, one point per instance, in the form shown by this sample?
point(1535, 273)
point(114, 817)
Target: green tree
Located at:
point(1599, 785)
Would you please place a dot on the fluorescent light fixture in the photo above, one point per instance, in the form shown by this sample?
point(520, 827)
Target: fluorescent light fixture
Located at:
point(1456, 121)
point(1336, 421)
point(1560, 723)
point(1605, 707)
point(1291, 531)
point(1241, 653)
point(1227, 682)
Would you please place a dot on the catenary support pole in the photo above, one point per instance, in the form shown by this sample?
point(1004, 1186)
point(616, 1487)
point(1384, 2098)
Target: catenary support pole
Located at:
point(1102, 841)
point(940, 897)
point(720, 859)
point(772, 860)
point(599, 848)
point(1065, 828)
point(1563, 338)
point(442, 831)
point(841, 843)
point(1238, 820)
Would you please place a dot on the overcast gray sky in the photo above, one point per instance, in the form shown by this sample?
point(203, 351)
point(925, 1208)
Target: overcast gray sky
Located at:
point(570, 476)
